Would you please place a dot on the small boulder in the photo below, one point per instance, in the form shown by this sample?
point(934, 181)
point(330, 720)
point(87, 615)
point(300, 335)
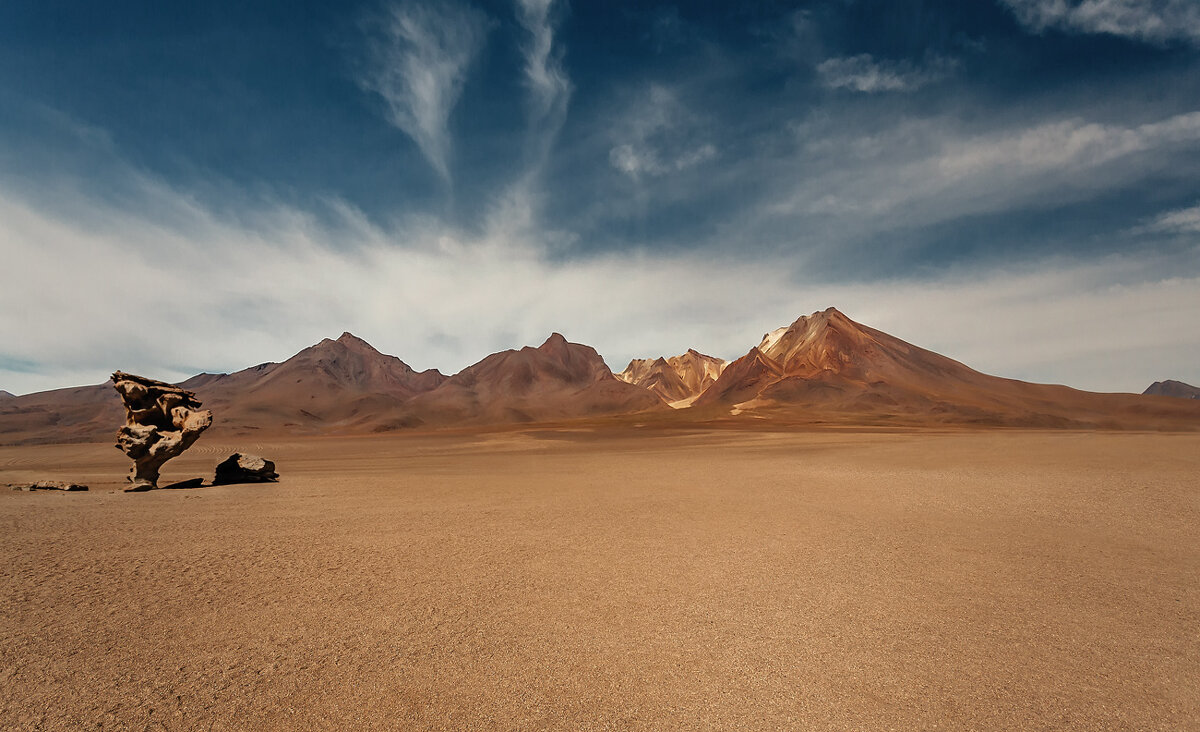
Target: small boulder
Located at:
point(239, 468)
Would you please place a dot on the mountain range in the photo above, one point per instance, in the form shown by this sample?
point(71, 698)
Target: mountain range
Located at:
point(824, 368)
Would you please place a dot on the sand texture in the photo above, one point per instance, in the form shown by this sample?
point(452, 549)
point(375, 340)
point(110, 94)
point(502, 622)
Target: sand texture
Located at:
point(567, 580)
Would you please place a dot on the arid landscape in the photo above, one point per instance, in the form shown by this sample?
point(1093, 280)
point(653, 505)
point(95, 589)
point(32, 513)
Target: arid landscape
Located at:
point(617, 579)
point(838, 531)
point(817, 365)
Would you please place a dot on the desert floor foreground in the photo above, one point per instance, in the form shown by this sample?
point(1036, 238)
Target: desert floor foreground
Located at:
point(711, 580)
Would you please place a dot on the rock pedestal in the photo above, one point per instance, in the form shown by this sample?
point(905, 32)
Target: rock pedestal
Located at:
point(161, 421)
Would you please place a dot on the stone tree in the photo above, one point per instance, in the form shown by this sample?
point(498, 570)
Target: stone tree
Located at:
point(161, 421)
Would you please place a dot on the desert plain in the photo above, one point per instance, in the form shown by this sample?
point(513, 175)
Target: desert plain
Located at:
point(636, 578)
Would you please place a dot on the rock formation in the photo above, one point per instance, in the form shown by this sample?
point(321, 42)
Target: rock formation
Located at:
point(161, 421)
point(239, 468)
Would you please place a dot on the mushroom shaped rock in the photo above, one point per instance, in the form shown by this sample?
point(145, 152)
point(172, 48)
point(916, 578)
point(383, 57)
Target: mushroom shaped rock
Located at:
point(161, 421)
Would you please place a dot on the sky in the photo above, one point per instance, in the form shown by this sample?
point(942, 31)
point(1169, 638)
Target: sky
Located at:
point(190, 187)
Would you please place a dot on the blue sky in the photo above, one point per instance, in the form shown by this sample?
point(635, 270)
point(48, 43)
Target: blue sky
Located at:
point(205, 186)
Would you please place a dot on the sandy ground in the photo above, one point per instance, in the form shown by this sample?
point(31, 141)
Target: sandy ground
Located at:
point(988, 580)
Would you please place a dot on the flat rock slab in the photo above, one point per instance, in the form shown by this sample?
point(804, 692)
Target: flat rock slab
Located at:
point(48, 485)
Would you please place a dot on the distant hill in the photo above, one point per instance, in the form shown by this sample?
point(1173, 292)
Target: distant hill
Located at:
point(6, 395)
point(677, 379)
point(557, 380)
point(1173, 388)
point(335, 385)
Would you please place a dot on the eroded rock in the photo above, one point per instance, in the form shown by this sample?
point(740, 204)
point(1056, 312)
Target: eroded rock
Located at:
point(240, 468)
point(161, 421)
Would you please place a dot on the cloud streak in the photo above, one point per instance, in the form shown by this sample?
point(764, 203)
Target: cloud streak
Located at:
point(436, 296)
point(863, 73)
point(919, 172)
point(418, 61)
point(549, 86)
point(1182, 221)
point(1152, 21)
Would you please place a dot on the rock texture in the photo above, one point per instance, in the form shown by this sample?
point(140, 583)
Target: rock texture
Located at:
point(161, 421)
point(239, 468)
point(677, 379)
point(48, 485)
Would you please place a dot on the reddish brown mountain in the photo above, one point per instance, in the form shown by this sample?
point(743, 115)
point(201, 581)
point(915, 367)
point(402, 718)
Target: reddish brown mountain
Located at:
point(823, 368)
point(742, 380)
point(657, 375)
point(6, 395)
point(677, 379)
point(1172, 388)
point(76, 414)
point(557, 380)
point(336, 385)
point(826, 367)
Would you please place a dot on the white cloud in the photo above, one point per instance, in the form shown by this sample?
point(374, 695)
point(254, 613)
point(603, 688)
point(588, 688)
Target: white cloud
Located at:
point(547, 80)
point(102, 288)
point(1182, 221)
point(658, 136)
point(1154, 21)
point(638, 161)
point(418, 63)
point(920, 172)
point(549, 97)
point(863, 73)
point(1070, 143)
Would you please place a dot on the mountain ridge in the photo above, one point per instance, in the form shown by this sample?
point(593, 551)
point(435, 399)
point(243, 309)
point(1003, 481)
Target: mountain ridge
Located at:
point(1173, 388)
point(823, 368)
point(678, 380)
point(556, 380)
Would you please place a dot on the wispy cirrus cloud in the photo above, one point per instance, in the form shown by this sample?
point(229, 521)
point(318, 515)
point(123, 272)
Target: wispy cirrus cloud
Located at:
point(1153, 21)
point(918, 172)
point(549, 86)
point(418, 59)
point(659, 136)
point(866, 74)
point(1066, 143)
